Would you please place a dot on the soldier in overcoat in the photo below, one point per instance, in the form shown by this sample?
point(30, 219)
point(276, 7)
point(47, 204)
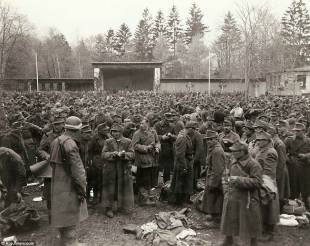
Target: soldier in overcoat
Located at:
point(241, 209)
point(167, 137)
point(146, 145)
point(267, 157)
point(117, 186)
point(298, 151)
point(43, 153)
point(182, 179)
point(281, 172)
point(213, 194)
point(94, 172)
point(68, 207)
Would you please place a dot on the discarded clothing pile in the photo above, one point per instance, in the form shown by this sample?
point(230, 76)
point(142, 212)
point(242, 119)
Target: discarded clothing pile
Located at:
point(17, 217)
point(292, 220)
point(167, 229)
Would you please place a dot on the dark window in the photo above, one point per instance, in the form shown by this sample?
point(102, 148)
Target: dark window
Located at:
point(301, 79)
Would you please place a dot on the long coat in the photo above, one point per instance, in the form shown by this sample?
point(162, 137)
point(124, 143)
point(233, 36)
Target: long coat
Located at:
point(68, 180)
point(182, 179)
point(140, 141)
point(12, 173)
point(117, 179)
point(212, 202)
point(166, 154)
point(281, 173)
point(267, 157)
point(95, 149)
point(299, 169)
point(241, 209)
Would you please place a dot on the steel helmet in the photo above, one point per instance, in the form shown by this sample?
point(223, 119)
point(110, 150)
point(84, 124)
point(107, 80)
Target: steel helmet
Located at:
point(73, 123)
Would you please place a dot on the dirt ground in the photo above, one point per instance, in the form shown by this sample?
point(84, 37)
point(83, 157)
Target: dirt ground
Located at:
point(100, 230)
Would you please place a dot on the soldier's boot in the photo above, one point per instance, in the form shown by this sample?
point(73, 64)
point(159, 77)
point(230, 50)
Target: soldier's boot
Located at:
point(142, 197)
point(109, 213)
point(68, 237)
point(267, 234)
point(149, 200)
point(253, 242)
point(227, 241)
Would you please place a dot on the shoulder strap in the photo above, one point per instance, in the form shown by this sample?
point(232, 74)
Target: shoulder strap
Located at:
point(242, 169)
point(65, 163)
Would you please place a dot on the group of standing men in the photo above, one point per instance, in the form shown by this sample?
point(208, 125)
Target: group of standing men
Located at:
point(251, 166)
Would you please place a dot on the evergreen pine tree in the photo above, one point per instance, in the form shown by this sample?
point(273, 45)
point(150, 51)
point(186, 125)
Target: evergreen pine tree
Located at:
point(110, 42)
point(122, 39)
point(174, 29)
point(195, 26)
point(228, 42)
point(99, 48)
point(296, 31)
point(144, 40)
point(160, 28)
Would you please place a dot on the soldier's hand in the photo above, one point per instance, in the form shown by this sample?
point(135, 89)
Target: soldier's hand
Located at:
point(122, 154)
point(233, 179)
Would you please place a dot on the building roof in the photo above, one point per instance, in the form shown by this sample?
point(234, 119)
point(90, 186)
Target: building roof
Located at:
point(206, 80)
point(297, 69)
point(126, 65)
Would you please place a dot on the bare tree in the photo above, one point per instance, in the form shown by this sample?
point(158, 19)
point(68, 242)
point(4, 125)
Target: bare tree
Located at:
point(12, 27)
point(251, 19)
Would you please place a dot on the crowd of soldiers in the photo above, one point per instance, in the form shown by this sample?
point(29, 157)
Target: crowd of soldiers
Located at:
point(254, 154)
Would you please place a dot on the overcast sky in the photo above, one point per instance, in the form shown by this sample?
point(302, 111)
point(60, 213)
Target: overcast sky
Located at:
point(82, 18)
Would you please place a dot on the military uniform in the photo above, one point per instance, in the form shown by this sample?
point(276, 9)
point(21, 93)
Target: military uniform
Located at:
point(182, 179)
point(44, 154)
point(299, 169)
point(146, 161)
point(267, 157)
point(199, 156)
point(94, 172)
point(117, 180)
point(167, 137)
point(241, 209)
point(69, 183)
point(213, 195)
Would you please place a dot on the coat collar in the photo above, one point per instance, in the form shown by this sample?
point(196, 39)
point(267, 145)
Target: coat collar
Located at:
point(74, 135)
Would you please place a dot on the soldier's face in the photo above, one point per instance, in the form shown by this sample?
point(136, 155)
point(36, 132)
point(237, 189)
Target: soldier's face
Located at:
point(259, 129)
point(211, 141)
point(144, 125)
point(262, 142)
point(117, 120)
point(237, 154)
point(103, 130)
point(227, 128)
point(299, 134)
point(247, 131)
point(58, 127)
point(86, 135)
point(116, 134)
point(282, 131)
